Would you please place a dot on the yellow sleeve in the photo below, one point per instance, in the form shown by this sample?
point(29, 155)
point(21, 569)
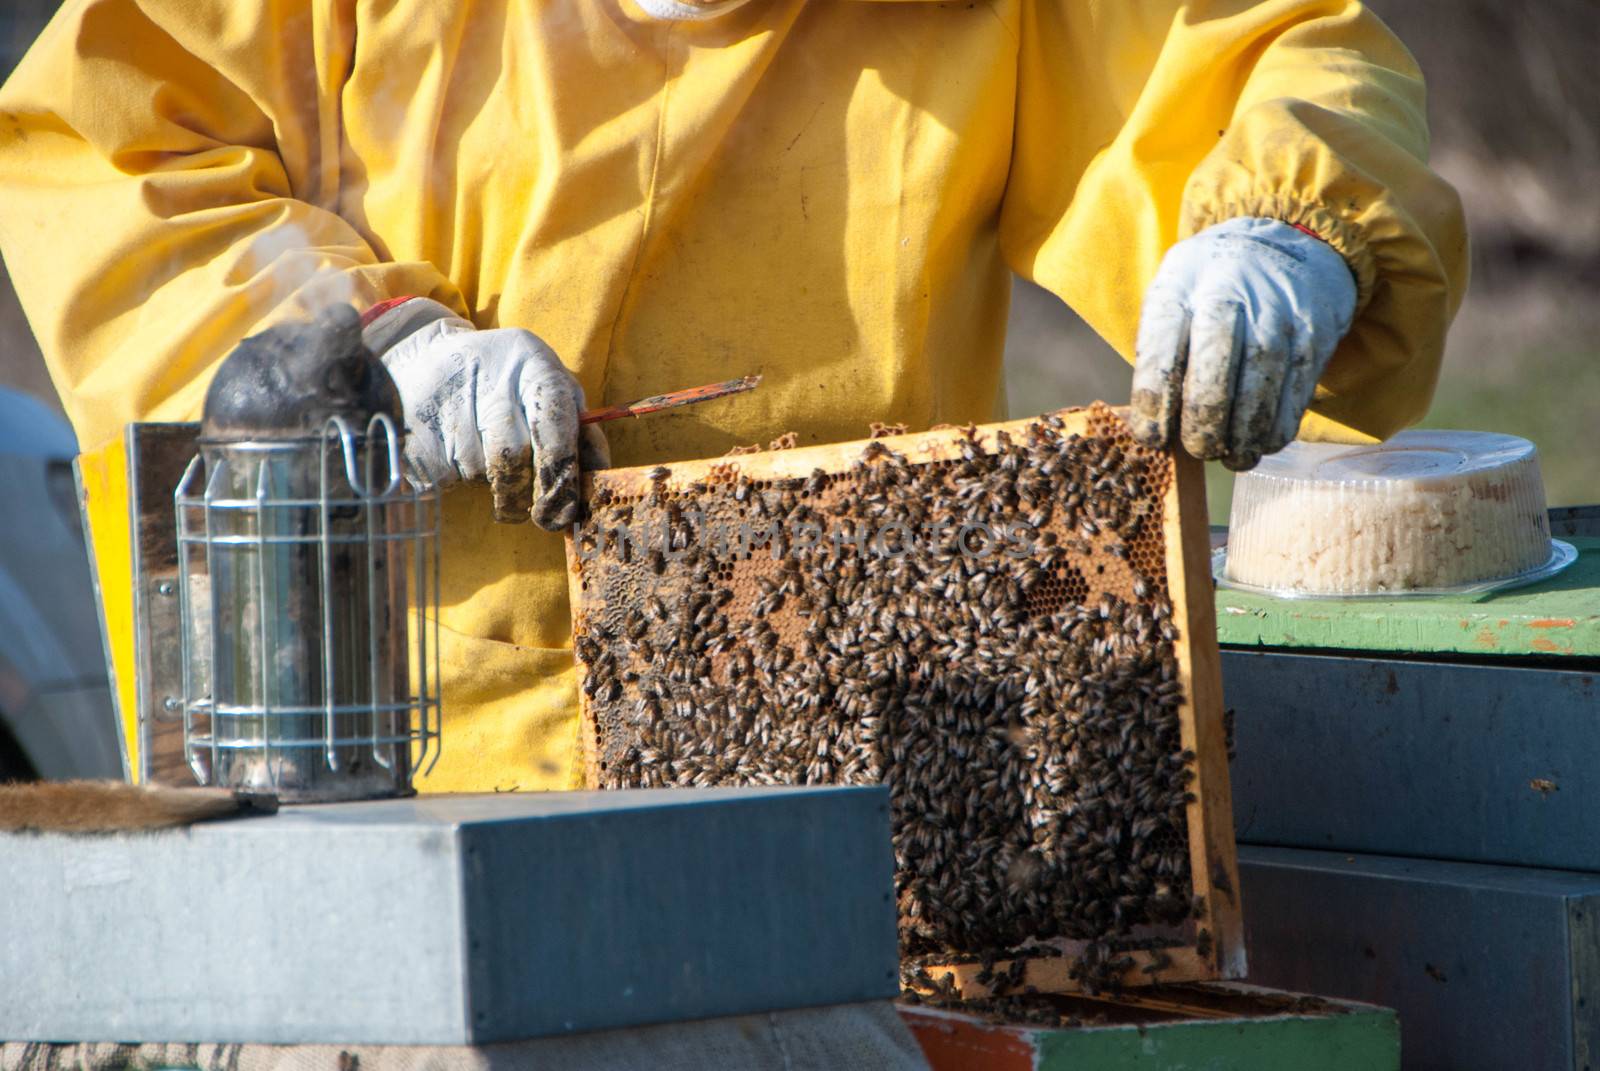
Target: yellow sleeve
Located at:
point(1140, 122)
point(170, 176)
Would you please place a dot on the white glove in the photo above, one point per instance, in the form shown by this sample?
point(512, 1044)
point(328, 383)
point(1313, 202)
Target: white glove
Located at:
point(1237, 327)
point(489, 404)
point(693, 10)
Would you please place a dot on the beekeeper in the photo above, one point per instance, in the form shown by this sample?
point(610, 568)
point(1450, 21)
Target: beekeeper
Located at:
point(544, 206)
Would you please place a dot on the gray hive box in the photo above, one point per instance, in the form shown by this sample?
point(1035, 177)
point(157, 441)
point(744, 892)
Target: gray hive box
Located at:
point(1490, 967)
point(452, 919)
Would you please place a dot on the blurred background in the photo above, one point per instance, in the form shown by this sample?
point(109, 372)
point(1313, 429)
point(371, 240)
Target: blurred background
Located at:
point(1513, 92)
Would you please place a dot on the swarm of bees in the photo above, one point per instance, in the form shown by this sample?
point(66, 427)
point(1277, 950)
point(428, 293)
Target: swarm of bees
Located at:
point(1011, 1005)
point(988, 633)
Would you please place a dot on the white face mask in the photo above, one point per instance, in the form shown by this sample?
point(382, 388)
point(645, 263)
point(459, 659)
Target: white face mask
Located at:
point(678, 9)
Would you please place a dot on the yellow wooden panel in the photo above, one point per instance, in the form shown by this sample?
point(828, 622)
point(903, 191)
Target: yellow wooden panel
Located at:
point(103, 481)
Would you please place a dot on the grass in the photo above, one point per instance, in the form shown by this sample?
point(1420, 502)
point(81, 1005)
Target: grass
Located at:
point(1556, 404)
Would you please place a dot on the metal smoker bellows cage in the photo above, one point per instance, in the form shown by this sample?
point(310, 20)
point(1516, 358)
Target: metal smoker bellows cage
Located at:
point(305, 547)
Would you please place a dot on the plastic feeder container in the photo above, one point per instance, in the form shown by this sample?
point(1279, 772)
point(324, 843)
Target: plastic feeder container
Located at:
point(1428, 512)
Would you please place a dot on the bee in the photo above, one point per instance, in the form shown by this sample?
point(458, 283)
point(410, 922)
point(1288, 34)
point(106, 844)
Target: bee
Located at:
point(996, 725)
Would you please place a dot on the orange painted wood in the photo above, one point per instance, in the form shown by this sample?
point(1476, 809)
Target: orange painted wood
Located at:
point(954, 1042)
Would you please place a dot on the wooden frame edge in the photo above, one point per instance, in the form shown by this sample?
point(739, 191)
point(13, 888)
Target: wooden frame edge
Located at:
point(1211, 836)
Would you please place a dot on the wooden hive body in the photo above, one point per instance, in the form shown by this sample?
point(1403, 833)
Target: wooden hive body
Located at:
point(641, 594)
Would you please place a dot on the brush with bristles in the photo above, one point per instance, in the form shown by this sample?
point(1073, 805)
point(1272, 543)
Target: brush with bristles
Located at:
point(116, 807)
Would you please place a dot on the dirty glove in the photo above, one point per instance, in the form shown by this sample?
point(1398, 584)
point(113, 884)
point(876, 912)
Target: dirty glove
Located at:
point(488, 404)
point(1237, 327)
point(694, 10)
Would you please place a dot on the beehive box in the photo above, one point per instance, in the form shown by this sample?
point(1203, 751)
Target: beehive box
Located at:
point(1221, 1025)
point(1011, 625)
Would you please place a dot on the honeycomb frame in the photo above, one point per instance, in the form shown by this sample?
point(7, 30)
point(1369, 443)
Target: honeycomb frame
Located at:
point(1211, 944)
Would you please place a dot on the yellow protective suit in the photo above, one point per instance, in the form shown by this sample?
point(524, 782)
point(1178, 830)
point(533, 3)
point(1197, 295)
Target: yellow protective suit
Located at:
point(830, 193)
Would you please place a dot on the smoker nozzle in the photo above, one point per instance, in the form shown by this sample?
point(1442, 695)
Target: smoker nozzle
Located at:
point(289, 380)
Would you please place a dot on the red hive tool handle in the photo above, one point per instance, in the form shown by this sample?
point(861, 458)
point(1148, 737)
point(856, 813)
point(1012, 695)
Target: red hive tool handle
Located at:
point(657, 402)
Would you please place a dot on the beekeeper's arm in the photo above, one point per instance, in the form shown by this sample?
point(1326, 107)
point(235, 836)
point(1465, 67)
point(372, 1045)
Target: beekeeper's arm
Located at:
point(1142, 123)
point(170, 181)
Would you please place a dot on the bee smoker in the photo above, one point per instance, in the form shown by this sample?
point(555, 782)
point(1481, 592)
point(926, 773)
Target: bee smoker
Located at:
point(307, 575)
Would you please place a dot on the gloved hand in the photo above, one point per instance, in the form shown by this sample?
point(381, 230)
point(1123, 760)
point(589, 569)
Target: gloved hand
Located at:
point(488, 404)
point(1237, 327)
point(694, 10)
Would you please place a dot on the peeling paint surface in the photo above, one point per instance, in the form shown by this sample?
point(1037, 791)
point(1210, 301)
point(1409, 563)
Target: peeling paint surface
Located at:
point(1559, 617)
